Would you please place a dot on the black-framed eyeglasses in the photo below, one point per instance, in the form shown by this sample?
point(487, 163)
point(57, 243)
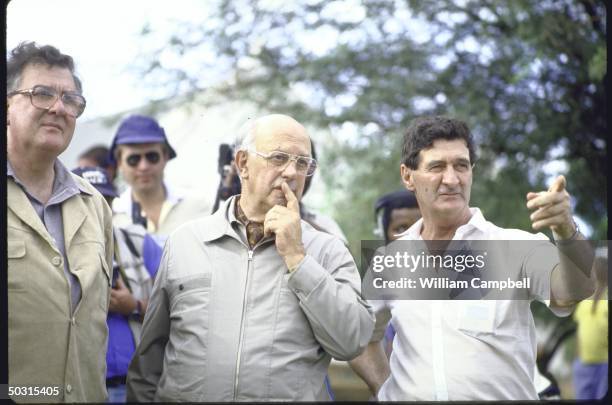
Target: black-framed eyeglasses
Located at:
point(133, 159)
point(44, 97)
point(304, 165)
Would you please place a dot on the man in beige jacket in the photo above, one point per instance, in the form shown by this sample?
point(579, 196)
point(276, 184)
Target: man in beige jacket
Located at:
point(59, 239)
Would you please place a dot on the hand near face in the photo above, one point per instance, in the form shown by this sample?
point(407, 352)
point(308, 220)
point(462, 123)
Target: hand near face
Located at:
point(121, 299)
point(284, 222)
point(552, 209)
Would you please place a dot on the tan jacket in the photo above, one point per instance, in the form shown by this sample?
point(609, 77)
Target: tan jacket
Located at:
point(226, 323)
point(48, 347)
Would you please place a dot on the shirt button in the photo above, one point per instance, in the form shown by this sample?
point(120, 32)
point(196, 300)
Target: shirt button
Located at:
point(56, 261)
point(69, 388)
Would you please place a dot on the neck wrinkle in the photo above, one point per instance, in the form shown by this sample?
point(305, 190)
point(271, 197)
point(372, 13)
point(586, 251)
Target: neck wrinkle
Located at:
point(37, 175)
point(249, 211)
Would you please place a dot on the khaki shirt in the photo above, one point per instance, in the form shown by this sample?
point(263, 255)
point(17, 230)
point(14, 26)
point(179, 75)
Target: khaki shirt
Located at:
point(49, 346)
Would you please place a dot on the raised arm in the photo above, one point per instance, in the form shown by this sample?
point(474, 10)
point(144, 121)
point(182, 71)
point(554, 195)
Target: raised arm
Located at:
point(572, 279)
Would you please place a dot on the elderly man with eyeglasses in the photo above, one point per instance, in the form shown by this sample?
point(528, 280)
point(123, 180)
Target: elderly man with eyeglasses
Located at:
point(141, 150)
point(251, 303)
point(59, 239)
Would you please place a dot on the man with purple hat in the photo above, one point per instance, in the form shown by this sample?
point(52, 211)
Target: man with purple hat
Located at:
point(141, 150)
point(135, 262)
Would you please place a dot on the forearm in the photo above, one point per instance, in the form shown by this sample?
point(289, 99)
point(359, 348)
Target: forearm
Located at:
point(341, 321)
point(147, 364)
point(146, 367)
point(372, 366)
point(572, 279)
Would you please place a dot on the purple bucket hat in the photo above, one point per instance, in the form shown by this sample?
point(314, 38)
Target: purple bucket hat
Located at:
point(139, 129)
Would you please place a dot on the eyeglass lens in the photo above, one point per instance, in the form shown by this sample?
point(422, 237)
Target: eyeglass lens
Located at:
point(134, 159)
point(44, 97)
point(303, 165)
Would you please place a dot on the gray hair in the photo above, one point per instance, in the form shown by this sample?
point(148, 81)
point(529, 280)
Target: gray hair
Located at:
point(30, 53)
point(246, 135)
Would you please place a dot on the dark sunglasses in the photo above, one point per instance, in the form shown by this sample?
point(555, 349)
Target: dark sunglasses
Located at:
point(134, 159)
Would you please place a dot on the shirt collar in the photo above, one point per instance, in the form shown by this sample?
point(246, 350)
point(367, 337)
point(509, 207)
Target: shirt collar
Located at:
point(173, 195)
point(231, 210)
point(64, 179)
point(477, 222)
point(123, 204)
point(63, 182)
point(237, 214)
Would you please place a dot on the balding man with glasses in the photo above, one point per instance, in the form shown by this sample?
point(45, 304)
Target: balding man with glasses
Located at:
point(251, 303)
point(59, 239)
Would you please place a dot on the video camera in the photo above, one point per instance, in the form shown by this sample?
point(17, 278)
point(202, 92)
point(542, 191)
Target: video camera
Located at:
point(226, 157)
point(227, 187)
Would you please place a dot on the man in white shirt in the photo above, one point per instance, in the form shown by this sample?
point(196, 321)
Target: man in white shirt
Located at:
point(471, 349)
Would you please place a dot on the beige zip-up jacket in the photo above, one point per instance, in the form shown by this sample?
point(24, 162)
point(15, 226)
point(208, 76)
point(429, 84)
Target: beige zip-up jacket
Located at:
point(49, 346)
point(226, 323)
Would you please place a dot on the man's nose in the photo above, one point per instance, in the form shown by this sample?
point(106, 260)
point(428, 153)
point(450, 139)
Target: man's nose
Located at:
point(58, 107)
point(143, 163)
point(450, 176)
point(290, 171)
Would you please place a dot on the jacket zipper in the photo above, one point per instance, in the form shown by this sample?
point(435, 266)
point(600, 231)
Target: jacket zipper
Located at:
point(244, 305)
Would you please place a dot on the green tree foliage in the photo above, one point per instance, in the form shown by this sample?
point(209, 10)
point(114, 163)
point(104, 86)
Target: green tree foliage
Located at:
point(528, 77)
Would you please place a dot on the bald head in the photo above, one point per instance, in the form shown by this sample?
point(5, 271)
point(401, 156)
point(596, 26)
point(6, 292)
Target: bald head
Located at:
point(262, 178)
point(270, 126)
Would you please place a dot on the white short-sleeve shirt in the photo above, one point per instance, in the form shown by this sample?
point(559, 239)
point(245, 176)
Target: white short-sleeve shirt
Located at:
point(441, 351)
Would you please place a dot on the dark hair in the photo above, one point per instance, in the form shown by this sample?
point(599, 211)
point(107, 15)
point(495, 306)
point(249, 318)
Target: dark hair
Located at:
point(99, 154)
point(30, 53)
point(391, 201)
point(423, 131)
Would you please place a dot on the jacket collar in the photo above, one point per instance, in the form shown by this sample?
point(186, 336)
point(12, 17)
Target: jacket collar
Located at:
point(18, 202)
point(219, 222)
point(64, 180)
point(74, 212)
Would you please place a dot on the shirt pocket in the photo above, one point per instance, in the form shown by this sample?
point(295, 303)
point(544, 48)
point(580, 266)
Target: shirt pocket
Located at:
point(477, 318)
point(16, 251)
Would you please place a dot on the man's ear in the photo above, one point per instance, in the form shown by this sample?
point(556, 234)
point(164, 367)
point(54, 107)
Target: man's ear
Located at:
point(241, 164)
point(406, 174)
